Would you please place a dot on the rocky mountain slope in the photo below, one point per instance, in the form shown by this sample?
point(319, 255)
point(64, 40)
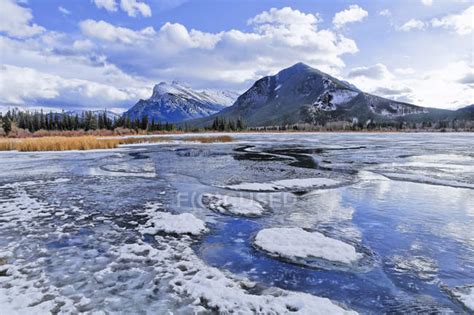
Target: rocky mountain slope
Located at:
point(304, 94)
point(175, 102)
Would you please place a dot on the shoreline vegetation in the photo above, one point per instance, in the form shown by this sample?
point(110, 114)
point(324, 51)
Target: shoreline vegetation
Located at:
point(61, 143)
point(38, 131)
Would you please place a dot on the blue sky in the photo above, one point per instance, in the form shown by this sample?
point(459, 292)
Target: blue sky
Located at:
point(109, 53)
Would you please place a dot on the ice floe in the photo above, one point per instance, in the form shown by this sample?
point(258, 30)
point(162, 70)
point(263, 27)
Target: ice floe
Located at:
point(463, 294)
point(233, 205)
point(419, 178)
point(295, 243)
point(184, 223)
point(287, 184)
point(208, 288)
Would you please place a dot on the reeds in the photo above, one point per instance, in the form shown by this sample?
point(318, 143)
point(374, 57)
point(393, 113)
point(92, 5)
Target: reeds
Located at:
point(91, 142)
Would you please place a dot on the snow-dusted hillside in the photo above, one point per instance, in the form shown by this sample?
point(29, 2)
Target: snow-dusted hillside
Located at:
point(303, 94)
point(175, 101)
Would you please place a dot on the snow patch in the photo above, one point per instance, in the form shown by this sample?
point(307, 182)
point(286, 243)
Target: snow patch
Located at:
point(233, 205)
point(164, 222)
point(291, 243)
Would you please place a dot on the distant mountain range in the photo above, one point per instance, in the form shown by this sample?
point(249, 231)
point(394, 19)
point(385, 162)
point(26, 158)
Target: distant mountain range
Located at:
point(301, 94)
point(176, 102)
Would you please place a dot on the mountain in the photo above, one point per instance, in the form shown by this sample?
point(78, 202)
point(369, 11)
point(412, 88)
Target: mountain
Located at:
point(466, 112)
point(175, 102)
point(303, 94)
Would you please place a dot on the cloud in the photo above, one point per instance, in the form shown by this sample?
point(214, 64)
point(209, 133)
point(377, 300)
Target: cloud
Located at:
point(15, 20)
point(278, 38)
point(385, 12)
point(64, 10)
point(353, 14)
point(447, 86)
point(467, 79)
point(461, 23)
point(37, 73)
point(427, 2)
point(412, 24)
point(285, 16)
point(387, 91)
point(82, 45)
point(377, 71)
point(108, 32)
point(134, 7)
point(28, 85)
point(109, 5)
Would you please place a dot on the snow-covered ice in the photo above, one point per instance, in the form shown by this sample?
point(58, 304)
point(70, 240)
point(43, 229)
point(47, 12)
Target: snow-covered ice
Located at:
point(293, 242)
point(233, 205)
point(184, 223)
point(287, 184)
point(464, 294)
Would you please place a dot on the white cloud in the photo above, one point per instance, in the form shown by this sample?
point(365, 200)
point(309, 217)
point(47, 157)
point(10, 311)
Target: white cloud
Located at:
point(385, 12)
point(109, 5)
point(286, 16)
point(462, 23)
point(279, 38)
point(64, 10)
point(33, 72)
point(449, 86)
point(353, 14)
point(134, 7)
point(377, 71)
point(108, 32)
point(15, 20)
point(412, 24)
point(82, 45)
point(405, 71)
point(29, 85)
point(427, 2)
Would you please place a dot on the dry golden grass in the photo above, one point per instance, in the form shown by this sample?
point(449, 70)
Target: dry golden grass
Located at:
point(209, 139)
point(57, 144)
point(90, 142)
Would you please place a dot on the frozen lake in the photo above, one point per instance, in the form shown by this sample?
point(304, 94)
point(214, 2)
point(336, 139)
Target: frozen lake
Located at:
point(270, 223)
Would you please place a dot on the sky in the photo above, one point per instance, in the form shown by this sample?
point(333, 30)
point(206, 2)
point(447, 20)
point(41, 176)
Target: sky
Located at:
point(108, 54)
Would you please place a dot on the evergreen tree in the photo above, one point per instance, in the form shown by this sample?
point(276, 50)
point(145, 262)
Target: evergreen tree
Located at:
point(7, 125)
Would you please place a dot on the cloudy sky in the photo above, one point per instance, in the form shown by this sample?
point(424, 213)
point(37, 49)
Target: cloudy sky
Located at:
point(109, 53)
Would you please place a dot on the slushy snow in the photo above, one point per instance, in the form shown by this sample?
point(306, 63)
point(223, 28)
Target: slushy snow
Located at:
point(287, 184)
point(184, 223)
point(233, 205)
point(295, 242)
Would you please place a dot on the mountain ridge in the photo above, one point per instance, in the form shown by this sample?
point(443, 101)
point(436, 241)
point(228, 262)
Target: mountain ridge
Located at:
point(302, 94)
point(174, 102)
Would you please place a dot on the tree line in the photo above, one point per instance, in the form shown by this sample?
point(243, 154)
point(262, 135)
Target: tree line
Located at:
point(223, 124)
point(87, 120)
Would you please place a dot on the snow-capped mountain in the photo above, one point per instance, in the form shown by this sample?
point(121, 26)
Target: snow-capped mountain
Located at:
point(175, 102)
point(304, 94)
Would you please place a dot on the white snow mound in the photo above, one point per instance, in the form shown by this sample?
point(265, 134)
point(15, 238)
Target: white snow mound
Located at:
point(184, 223)
point(233, 205)
point(297, 243)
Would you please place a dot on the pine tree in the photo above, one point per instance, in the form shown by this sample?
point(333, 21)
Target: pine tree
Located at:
point(7, 125)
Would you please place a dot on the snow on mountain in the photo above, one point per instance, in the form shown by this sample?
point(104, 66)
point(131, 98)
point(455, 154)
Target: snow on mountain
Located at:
point(302, 94)
point(176, 101)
